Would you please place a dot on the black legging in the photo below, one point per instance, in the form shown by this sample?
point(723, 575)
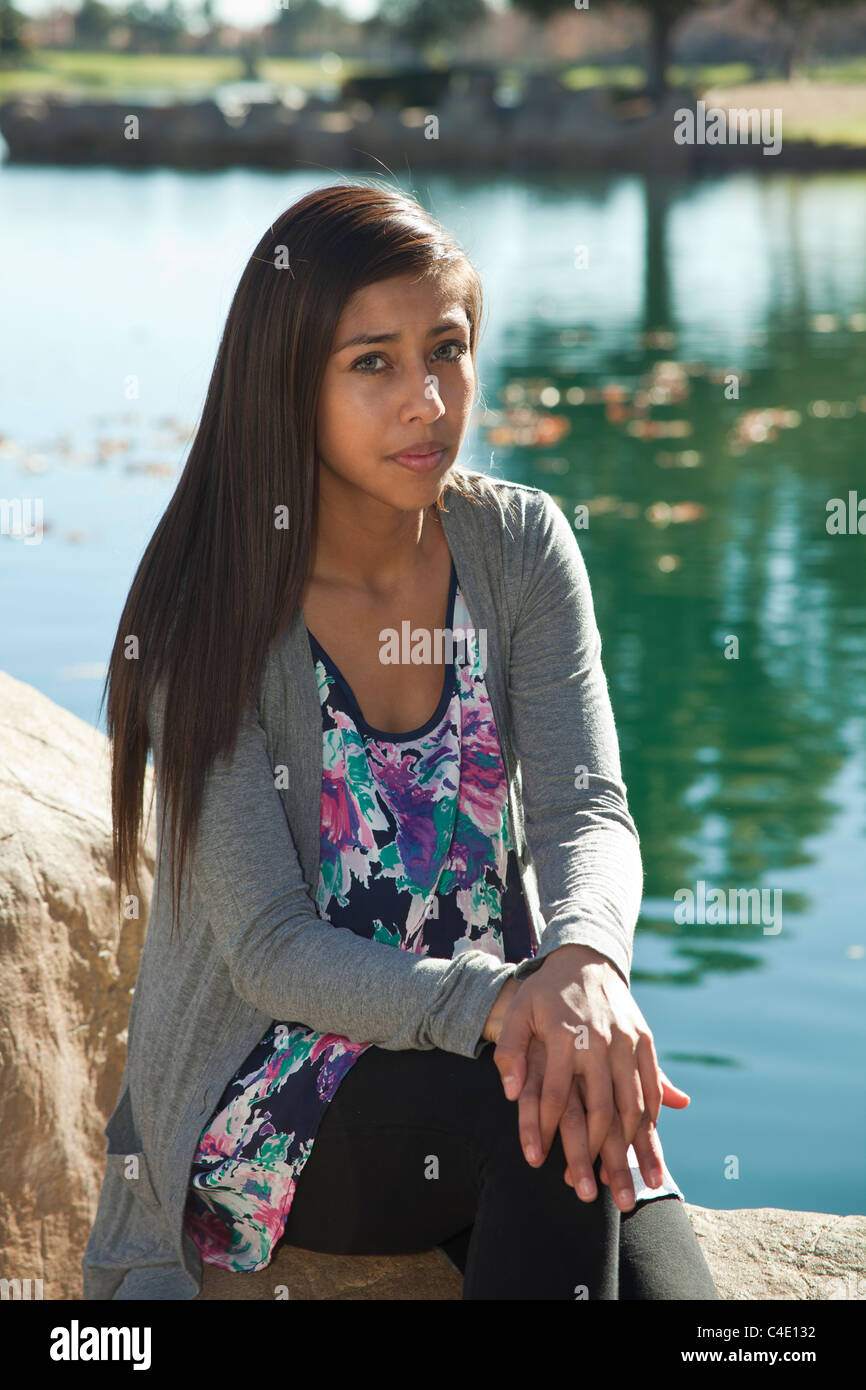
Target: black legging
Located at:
point(419, 1149)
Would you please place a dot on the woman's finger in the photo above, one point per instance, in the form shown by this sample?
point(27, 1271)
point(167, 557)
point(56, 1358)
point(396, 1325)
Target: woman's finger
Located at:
point(615, 1160)
point(672, 1095)
point(598, 1100)
point(575, 1144)
point(556, 1089)
point(528, 1122)
point(648, 1148)
point(650, 1079)
point(628, 1091)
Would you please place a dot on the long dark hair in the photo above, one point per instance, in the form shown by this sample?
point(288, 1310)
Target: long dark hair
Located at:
point(219, 581)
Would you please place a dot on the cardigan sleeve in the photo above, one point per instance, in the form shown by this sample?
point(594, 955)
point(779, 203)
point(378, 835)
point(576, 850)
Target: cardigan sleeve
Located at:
point(284, 958)
point(581, 837)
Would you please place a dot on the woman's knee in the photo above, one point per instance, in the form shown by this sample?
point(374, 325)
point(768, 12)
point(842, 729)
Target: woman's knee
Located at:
point(660, 1255)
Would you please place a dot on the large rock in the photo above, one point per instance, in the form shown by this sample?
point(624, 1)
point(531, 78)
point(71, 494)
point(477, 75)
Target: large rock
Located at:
point(763, 1253)
point(67, 969)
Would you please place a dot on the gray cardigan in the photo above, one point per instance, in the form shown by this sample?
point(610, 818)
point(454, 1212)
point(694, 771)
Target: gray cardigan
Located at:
point(252, 947)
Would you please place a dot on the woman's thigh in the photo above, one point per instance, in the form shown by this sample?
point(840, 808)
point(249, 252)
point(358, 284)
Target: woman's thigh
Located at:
point(397, 1160)
point(419, 1147)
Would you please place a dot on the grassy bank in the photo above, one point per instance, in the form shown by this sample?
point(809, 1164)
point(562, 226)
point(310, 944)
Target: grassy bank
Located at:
point(109, 75)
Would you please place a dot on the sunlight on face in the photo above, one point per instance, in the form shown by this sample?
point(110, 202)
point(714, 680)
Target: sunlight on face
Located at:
point(378, 398)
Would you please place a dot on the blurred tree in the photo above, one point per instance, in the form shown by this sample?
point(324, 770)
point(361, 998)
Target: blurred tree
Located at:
point(251, 53)
point(797, 26)
point(663, 16)
point(12, 44)
point(94, 22)
point(419, 22)
point(156, 30)
point(291, 24)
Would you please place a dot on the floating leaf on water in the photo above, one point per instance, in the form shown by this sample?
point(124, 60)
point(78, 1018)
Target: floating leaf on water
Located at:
point(530, 430)
point(666, 514)
point(762, 426)
point(151, 470)
point(658, 338)
point(599, 505)
point(659, 429)
point(107, 447)
point(688, 511)
point(667, 382)
point(513, 393)
point(686, 458)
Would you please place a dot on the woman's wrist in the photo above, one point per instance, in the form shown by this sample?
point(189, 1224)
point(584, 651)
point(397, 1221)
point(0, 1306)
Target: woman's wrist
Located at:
point(584, 955)
point(493, 1025)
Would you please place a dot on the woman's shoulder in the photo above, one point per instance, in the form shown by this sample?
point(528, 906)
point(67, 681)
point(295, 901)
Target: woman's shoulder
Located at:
point(496, 500)
point(525, 524)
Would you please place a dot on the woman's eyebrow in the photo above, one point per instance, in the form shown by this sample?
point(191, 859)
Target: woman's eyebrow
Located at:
point(361, 338)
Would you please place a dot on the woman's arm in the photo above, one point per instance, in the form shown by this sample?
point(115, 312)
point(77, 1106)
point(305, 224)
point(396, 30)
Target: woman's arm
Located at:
point(574, 995)
point(581, 835)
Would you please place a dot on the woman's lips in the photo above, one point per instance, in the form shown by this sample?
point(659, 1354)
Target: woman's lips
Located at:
point(419, 463)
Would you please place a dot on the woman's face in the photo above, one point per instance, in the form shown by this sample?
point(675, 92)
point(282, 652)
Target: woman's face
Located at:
point(409, 380)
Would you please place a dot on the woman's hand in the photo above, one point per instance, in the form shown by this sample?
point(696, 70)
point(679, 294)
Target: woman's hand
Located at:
point(580, 1009)
point(647, 1143)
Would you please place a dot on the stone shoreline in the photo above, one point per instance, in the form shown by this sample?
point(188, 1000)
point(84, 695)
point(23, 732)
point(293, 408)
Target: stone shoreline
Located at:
point(551, 129)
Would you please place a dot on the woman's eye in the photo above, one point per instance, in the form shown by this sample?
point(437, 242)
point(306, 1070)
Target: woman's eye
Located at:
point(454, 343)
point(377, 356)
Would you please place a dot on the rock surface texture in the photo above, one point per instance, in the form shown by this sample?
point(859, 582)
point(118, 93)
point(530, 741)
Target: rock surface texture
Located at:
point(67, 968)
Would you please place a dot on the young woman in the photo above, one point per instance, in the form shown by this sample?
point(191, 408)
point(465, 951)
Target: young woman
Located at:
point(389, 1007)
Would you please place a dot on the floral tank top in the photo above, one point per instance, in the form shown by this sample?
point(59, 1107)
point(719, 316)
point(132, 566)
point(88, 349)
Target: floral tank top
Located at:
point(416, 853)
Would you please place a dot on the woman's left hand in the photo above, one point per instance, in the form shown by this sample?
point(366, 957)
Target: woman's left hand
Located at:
point(647, 1144)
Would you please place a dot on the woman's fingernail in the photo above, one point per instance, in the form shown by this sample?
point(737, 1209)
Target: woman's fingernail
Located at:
point(532, 1153)
point(625, 1197)
point(586, 1188)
